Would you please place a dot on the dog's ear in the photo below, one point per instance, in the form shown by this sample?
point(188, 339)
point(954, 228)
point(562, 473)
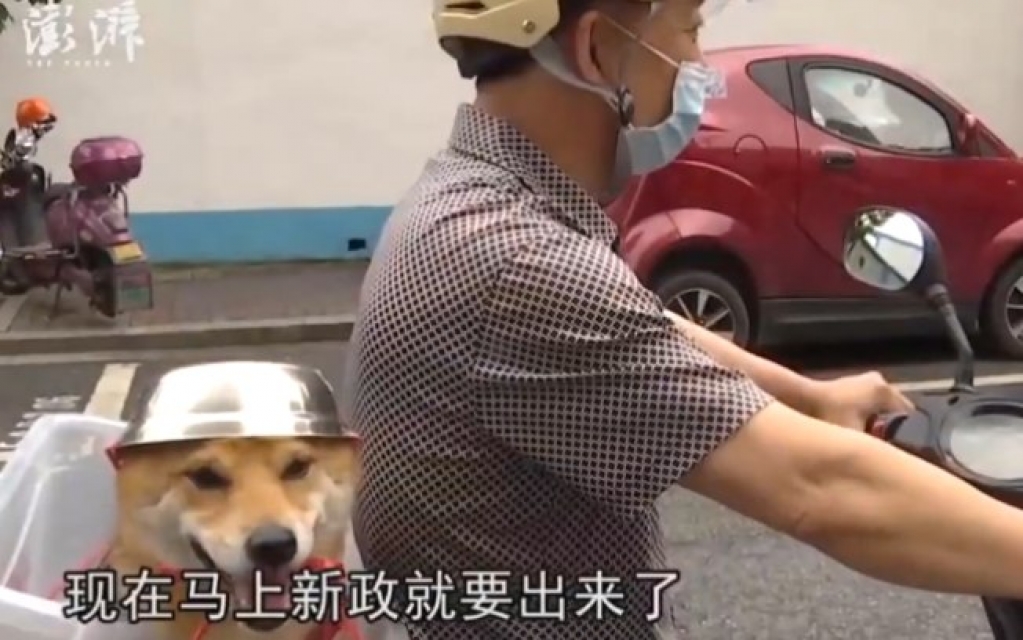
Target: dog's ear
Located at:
point(145, 473)
point(340, 458)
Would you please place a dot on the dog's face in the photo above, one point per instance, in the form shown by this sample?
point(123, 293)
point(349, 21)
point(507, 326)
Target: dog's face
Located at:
point(240, 506)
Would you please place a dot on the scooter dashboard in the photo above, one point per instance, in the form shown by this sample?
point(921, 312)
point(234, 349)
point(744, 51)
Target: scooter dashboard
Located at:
point(976, 436)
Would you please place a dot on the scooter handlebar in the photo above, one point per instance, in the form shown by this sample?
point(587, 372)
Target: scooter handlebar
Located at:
point(880, 425)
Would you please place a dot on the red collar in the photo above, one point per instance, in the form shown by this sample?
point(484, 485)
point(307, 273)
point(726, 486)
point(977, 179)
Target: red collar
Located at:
point(344, 629)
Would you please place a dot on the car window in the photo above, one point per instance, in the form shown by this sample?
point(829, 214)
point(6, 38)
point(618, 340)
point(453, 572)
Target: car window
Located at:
point(873, 111)
point(773, 77)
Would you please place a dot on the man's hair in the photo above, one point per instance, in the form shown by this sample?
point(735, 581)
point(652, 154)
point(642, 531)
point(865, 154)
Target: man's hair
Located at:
point(488, 61)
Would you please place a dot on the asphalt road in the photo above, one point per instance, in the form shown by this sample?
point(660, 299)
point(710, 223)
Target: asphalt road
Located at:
point(742, 581)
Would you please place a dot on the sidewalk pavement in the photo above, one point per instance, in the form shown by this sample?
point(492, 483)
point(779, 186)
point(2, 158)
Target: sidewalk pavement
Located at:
point(196, 308)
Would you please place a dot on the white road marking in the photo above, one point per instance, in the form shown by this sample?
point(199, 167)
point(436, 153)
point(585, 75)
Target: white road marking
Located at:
point(944, 383)
point(107, 401)
point(111, 392)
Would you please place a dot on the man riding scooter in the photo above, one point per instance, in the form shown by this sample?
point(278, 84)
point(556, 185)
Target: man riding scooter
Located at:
point(524, 400)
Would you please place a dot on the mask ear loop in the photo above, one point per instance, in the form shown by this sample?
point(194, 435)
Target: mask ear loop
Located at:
point(547, 54)
point(622, 101)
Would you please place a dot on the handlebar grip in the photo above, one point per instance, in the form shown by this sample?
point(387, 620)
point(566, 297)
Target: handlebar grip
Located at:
point(880, 425)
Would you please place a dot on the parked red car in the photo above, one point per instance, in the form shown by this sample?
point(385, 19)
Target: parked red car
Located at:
point(744, 231)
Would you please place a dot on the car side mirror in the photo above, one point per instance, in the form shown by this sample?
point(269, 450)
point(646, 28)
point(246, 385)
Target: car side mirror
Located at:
point(968, 132)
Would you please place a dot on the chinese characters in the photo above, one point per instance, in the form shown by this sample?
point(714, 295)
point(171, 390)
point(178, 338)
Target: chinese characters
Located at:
point(56, 33)
point(331, 596)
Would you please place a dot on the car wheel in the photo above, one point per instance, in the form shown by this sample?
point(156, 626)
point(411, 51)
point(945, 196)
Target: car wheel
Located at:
point(1002, 317)
point(708, 300)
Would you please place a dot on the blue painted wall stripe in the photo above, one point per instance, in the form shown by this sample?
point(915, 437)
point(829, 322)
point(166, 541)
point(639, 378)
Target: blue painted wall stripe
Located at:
point(260, 235)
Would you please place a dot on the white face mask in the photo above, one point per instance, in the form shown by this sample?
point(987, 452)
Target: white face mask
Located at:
point(651, 148)
point(654, 147)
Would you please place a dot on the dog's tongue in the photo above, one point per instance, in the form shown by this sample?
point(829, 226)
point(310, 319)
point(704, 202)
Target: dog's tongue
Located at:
point(267, 592)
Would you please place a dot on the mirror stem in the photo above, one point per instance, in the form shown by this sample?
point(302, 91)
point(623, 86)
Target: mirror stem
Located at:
point(937, 296)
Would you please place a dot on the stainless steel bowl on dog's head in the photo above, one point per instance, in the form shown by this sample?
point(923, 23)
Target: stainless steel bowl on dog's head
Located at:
point(235, 400)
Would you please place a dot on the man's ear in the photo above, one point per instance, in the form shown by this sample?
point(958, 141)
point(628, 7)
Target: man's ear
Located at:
point(598, 43)
point(579, 47)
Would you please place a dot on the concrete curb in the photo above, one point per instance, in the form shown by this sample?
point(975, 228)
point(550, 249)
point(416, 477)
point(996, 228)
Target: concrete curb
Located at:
point(200, 335)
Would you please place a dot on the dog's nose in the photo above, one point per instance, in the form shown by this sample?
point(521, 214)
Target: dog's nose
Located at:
point(271, 546)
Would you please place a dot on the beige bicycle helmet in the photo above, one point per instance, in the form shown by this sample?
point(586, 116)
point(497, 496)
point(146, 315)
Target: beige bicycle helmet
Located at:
point(514, 23)
point(492, 37)
point(484, 34)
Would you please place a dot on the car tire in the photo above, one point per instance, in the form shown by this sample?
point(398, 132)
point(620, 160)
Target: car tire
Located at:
point(1002, 310)
point(685, 291)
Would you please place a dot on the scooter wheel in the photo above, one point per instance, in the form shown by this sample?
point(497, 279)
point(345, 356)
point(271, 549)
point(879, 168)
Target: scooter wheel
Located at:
point(10, 284)
point(10, 287)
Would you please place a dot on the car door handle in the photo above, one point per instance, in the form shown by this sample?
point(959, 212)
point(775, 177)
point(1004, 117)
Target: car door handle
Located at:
point(836, 158)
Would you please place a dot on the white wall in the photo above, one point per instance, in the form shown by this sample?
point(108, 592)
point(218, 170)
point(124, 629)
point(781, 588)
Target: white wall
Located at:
point(256, 103)
point(267, 103)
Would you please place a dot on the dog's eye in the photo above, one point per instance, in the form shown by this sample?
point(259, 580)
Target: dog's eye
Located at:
point(208, 478)
point(297, 469)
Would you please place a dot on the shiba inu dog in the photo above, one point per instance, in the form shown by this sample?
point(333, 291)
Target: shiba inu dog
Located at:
point(237, 469)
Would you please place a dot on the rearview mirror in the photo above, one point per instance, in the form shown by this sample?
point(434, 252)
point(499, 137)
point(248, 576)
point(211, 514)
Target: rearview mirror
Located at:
point(25, 143)
point(968, 131)
point(886, 249)
point(894, 250)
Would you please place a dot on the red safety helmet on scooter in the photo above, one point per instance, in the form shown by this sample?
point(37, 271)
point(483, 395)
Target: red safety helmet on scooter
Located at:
point(31, 113)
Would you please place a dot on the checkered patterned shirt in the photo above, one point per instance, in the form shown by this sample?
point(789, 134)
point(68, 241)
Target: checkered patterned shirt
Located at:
point(523, 399)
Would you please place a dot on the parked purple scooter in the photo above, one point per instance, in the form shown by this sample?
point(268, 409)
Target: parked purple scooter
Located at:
point(72, 235)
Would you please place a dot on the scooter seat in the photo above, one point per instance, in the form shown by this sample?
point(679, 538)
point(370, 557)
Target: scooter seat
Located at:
point(56, 191)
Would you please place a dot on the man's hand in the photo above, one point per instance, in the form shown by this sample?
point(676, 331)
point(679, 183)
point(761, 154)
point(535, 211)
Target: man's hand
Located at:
point(852, 401)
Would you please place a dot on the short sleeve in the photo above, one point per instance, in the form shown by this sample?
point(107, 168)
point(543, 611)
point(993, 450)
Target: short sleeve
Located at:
point(578, 369)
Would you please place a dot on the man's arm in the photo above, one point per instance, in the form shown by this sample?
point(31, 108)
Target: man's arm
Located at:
point(868, 505)
point(797, 391)
point(577, 369)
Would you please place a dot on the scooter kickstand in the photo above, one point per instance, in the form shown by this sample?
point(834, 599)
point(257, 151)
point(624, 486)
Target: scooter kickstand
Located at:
point(55, 307)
